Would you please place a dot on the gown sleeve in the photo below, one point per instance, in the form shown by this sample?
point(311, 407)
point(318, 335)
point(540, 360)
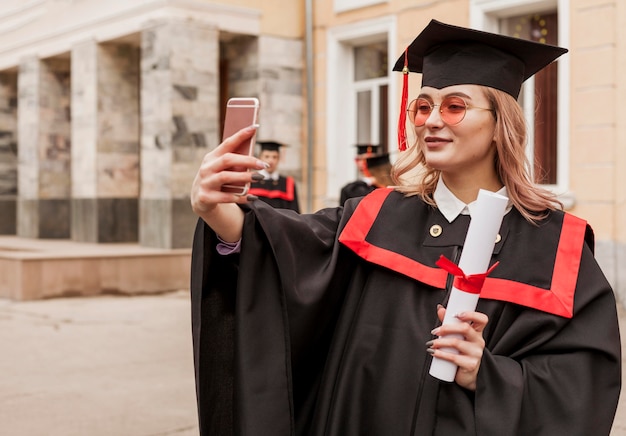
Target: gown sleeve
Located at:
point(308, 263)
point(280, 314)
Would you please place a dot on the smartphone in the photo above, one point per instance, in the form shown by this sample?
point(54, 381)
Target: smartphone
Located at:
point(240, 113)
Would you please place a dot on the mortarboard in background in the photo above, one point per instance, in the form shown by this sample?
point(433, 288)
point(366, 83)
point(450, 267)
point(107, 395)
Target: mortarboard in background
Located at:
point(377, 160)
point(363, 150)
point(270, 145)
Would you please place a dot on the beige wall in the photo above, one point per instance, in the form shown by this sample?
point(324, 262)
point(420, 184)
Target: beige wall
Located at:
point(620, 136)
point(594, 120)
point(278, 18)
point(598, 128)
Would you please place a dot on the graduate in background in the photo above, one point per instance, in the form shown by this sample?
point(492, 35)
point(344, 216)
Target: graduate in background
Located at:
point(276, 190)
point(326, 323)
point(374, 172)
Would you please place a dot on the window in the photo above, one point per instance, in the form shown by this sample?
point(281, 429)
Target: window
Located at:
point(544, 96)
point(539, 96)
point(371, 88)
point(360, 96)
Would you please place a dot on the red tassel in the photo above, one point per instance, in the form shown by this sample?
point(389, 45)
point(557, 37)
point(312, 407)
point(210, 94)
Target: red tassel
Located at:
point(403, 102)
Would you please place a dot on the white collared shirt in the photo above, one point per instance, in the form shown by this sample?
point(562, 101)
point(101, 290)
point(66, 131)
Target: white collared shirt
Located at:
point(451, 207)
point(368, 180)
point(269, 176)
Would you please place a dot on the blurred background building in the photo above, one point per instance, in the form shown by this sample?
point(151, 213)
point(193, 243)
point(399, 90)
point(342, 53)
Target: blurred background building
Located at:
point(106, 108)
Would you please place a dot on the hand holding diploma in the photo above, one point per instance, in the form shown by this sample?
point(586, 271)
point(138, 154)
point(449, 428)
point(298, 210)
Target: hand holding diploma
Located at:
point(470, 273)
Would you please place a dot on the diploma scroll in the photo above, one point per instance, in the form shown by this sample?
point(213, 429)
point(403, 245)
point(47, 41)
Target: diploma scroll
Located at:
point(478, 248)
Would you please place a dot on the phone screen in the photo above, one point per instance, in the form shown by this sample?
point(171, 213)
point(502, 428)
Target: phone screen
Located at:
point(240, 113)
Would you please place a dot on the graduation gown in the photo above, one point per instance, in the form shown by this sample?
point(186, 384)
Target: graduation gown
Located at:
point(279, 193)
point(318, 326)
point(358, 188)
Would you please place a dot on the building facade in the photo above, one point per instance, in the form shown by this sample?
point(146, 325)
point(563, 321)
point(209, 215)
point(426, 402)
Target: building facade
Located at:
point(106, 108)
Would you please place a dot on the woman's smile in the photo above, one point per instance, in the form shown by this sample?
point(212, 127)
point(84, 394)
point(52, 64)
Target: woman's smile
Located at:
point(436, 141)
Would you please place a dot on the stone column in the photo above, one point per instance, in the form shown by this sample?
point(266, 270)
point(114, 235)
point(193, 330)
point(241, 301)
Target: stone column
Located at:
point(281, 63)
point(271, 68)
point(179, 118)
point(105, 122)
point(43, 209)
point(8, 152)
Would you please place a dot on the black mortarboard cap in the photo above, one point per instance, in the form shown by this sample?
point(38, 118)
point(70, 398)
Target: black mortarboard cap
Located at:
point(449, 55)
point(376, 161)
point(270, 145)
point(367, 149)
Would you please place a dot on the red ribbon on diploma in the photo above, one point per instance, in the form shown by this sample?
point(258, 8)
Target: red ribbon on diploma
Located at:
point(472, 283)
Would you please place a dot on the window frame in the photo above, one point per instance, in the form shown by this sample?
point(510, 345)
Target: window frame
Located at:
point(373, 86)
point(348, 5)
point(485, 15)
point(341, 128)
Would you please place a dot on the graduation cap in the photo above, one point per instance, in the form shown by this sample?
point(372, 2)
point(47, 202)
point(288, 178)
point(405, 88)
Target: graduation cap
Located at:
point(367, 149)
point(270, 145)
point(449, 55)
point(376, 161)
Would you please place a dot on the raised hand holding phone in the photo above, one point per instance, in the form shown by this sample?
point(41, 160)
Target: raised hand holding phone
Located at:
point(217, 208)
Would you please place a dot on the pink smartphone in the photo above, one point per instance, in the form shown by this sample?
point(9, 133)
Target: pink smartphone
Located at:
point(240, 113)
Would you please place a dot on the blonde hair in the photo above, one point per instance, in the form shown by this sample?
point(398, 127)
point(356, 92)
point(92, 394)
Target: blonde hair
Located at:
point(382, 175)
point(414, 177)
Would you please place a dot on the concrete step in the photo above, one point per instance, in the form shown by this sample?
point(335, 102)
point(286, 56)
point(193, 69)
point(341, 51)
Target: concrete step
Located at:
point(32, 269)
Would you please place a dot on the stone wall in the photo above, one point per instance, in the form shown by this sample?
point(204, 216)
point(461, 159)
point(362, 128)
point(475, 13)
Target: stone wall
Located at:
point(105, 122)
point(44, 152)
point(179, 119)
point(8, 152)
point(281, 63)
point(271, 69)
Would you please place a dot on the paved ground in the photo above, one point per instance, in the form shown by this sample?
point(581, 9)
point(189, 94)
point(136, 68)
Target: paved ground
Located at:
point(97, 366)
point(106, 366)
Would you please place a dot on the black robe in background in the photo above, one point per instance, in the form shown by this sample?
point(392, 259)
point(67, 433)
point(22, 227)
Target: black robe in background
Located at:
point(355, 189)
point(281, 193)
point(303, 334)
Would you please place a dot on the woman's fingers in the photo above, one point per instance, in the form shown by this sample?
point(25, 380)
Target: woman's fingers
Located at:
point(231, 143)
point(223, 166)
point(230, 155)
point(441, 312)
point(461, 343)
point(477, 320)
point(471, 321)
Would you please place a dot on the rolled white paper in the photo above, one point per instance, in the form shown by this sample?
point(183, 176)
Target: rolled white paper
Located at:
point(486, 220)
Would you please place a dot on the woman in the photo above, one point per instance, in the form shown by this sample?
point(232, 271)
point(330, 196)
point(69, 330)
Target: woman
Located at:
point(326, 323)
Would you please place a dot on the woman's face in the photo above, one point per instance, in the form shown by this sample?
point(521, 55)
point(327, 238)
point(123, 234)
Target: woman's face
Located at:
point(466, 147)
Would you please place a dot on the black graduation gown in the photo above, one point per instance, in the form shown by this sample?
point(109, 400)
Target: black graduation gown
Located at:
point(318, 326)
point(355, 189)
point(279, 193)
